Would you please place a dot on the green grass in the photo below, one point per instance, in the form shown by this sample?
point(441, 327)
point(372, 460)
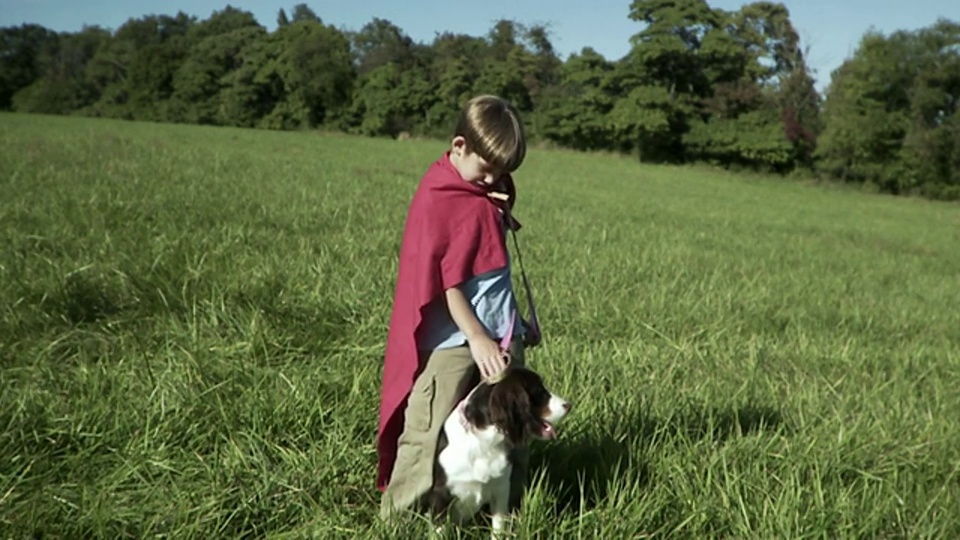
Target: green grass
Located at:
point(192, 322)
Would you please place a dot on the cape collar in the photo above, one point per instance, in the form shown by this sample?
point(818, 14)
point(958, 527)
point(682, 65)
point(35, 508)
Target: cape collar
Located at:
point(454, 181)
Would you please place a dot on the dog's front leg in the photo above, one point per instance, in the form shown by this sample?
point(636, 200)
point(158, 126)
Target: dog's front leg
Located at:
point(500, 507)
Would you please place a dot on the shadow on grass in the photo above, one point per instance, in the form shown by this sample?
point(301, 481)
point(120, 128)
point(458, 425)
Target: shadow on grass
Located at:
point(93, 305)
point(581, 469)
point(720, 424)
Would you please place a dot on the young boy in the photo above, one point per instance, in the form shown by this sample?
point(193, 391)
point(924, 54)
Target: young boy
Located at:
point(454, 300)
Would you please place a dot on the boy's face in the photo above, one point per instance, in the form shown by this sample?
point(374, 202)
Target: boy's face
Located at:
point(471, 166)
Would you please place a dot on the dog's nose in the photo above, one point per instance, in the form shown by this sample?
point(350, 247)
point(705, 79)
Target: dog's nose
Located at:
point(567, 406)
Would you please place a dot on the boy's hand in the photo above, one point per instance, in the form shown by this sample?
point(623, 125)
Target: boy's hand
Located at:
point(486, 352)
point(488, 356)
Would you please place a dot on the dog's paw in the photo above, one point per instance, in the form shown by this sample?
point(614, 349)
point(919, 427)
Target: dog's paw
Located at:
point(501, 526)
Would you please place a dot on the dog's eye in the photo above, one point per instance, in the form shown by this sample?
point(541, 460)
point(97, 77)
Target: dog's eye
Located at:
point(540, 396)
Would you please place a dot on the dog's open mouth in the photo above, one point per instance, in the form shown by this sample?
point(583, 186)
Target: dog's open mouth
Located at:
point(547, 430)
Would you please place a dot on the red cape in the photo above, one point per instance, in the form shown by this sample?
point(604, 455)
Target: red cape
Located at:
point(453, 232)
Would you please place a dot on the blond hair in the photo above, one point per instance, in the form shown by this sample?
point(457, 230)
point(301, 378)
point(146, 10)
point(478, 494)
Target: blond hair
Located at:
point(492, 129)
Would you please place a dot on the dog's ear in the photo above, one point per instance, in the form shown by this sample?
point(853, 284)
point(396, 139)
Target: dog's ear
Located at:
point(477, 410)
point(512, 412)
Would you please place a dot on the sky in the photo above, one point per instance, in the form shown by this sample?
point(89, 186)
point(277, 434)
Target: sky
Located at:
point(830, 28)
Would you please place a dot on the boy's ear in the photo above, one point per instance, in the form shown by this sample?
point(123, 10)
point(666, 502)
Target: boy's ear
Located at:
point(459, 145)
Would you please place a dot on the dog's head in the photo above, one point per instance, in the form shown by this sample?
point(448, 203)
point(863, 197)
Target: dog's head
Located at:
point(519, 406)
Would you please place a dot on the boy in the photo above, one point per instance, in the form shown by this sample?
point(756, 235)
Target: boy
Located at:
point(453, 301)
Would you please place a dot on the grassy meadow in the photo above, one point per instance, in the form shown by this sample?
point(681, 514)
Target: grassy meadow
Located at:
point(192, 322)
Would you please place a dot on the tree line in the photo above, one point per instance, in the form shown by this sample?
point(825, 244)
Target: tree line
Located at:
point(699, 84)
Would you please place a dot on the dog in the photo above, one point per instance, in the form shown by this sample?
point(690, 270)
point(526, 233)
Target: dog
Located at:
point(473, 466)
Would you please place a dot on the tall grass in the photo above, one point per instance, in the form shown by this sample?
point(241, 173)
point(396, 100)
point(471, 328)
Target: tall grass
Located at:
point(192, 323)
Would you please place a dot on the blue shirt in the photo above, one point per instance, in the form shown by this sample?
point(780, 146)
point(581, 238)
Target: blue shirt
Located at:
point(492, 299)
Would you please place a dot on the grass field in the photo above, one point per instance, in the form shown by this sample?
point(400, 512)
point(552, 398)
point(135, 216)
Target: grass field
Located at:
point(192, 322)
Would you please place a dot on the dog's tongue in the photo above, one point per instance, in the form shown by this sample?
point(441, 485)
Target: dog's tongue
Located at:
point(548, 431)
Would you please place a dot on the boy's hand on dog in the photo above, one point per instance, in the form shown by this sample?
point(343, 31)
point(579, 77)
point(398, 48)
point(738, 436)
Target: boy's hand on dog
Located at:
point(488, 356)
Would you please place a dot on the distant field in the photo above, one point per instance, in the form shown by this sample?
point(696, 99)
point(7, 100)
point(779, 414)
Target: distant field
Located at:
point(192, 322)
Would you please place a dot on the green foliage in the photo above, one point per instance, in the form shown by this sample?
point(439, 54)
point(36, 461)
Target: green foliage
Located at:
point(201, 79)
point(299, 76)
point(146, 54)
point(576, 111)
point(315, 66)
point(64, 86)
point(379, 43)
point(22, 49)
point(453, 69)
point(699, 84)
point(890, 113)
point(668, 47)
point(753, 138)
point(389, 100)
point(723, 87)
point(643, 120)
point(302, 12)
point(223, 22)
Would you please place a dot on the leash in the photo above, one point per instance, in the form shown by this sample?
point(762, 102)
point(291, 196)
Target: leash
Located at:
point(533, 326)
point(504, 346)
point(534, 323)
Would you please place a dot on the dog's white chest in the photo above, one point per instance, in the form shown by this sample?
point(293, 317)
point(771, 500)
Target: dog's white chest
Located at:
point(476, 465)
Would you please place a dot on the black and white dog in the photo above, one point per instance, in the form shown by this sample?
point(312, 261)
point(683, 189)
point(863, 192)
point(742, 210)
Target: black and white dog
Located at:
point(473, 464)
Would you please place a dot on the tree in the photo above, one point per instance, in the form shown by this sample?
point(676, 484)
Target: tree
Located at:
point(134, 69)
point(389, 100)
point(201, 79)
point(222, 22)
point(64, 86)
point(931, 150)
point(667, 48)
point(576, 111)
point(379, 43)
point(302, 12)
point(22, 49)
point(869, 109)
point(454, 68)
point(663, 77)
point(753, 139)
point(301, 75)
point(705, 84)
point(776, 62)
point(644, 121)
point(507, 66)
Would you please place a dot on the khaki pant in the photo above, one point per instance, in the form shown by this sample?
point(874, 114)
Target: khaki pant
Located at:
point(433, 397)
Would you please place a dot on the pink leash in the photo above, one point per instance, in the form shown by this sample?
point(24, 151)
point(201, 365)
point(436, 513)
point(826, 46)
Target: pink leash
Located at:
point(505, 340)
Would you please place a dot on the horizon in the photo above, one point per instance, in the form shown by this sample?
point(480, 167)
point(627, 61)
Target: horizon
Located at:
point(825, 36)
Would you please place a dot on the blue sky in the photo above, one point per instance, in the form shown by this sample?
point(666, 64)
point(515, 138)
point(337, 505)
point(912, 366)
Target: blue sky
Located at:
point(831, 28)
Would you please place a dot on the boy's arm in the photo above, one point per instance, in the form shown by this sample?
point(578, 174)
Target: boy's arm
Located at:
point(486, 352)
point(463, 315)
